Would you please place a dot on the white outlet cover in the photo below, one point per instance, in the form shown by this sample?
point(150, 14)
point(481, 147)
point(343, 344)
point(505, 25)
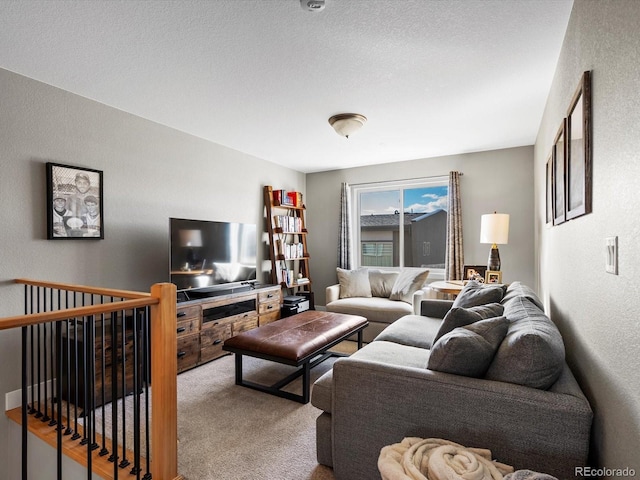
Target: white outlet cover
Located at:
point(611, 253)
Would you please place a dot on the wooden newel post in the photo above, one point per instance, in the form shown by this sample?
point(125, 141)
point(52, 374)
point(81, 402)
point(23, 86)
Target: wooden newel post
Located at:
point(164, 397)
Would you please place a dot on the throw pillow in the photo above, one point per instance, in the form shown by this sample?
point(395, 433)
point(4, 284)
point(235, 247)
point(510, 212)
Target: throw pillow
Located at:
point(468, 350)
point(532, 353)
point(354, 283)
point(409, 281)
point(382, 282)
point(475, 293)
point(459, 317)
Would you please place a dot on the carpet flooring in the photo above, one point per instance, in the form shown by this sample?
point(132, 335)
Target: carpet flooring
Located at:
point(229, 432)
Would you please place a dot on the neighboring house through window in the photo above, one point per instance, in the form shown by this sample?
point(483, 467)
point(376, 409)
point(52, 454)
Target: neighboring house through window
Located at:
point(419, 206)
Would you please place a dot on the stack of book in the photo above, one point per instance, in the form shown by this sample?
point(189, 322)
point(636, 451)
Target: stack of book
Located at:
point(282, 197)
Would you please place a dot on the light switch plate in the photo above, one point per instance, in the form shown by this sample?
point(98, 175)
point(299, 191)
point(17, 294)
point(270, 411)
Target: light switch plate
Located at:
point(612, 255)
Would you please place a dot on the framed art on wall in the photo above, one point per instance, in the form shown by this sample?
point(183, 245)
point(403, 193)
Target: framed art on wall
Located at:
point(578, 162)
point(74, 203)
point(558, 175)
point(549, 190)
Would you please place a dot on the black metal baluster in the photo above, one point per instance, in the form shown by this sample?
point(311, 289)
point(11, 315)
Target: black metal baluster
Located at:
point(125, 462)
point(114, 395)
point(39, 343)
point(76, 374)
point(25, 396)
point(32, 408)
point(136, 398)
point(52, 349)
point(45, 416)
point(88, 393)
point(103, 451)
point(68, 430)
point(92, 390)
point(59, 393)
point(146, 365)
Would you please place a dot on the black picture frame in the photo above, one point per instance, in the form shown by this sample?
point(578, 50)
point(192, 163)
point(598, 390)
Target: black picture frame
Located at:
point(558, 174)
point(74, 203)
point(467, 272)
point(578, 174)
point(549, 190)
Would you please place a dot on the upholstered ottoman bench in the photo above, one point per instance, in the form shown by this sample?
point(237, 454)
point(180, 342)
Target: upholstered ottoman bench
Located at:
point(302, 340)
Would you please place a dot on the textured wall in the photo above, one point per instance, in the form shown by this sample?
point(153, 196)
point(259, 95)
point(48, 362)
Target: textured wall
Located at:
point(497, 180)
point(151, 173)
point(596, 311)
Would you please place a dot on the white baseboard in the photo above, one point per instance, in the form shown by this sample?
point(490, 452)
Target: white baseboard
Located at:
point(14, 399)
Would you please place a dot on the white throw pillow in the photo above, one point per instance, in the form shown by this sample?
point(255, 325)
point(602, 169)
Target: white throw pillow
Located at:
point(382, 282)
point(408, 282)
point(354, 283)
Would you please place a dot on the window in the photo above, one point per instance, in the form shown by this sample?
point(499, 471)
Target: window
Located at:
point(418, 206)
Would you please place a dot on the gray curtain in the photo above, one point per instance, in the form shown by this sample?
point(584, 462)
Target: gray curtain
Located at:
point(344, 234)
point(454, 260)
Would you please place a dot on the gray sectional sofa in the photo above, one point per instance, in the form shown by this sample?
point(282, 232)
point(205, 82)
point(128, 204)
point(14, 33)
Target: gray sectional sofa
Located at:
point(461, 373)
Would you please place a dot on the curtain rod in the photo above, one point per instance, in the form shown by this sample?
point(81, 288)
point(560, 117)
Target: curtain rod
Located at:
point(417, 180)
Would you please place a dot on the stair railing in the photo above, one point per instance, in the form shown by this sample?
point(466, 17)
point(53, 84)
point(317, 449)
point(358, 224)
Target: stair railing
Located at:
point(85, 351)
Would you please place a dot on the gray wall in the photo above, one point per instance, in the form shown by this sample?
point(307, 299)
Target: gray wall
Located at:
point(596, 311)
point(151, 173)
point(497, 180)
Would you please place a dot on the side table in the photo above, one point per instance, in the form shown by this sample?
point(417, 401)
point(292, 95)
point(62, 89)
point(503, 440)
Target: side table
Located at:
point(450, 287)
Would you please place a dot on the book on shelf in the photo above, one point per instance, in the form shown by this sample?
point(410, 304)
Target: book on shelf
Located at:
point(290, 199)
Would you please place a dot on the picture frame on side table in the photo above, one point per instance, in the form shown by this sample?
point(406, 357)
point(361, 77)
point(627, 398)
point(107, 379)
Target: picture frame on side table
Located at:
point(493, 276)
point(474, 272)
point(74, 203)
point(578, 173)
point(559, 155)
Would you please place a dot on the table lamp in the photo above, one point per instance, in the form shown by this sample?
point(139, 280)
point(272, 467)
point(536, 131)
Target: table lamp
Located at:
point(494, 229)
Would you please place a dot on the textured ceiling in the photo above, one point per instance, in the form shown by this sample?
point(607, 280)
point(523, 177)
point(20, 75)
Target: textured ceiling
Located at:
point(433, 77)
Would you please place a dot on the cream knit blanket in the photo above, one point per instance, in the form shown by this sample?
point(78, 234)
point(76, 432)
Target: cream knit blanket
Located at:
point(437, 459)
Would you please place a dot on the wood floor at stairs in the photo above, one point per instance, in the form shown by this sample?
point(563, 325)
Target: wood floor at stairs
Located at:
point(73, 449)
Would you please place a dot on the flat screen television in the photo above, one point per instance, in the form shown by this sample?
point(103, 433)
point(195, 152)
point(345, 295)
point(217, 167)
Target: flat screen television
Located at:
point(206, 256)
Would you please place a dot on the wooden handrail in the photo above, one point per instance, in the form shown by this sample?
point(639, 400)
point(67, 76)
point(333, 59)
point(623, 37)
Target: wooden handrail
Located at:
point(107, 292)
point(53, 316)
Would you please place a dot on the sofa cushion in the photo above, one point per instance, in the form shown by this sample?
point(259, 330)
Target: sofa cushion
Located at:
point(409, 281)
point(375, 309)
point(475, 293)
point(413, 330)
point(517, 289)
point(459, 317)
point(382, 282)
point(468, 350)
point(532, 353)
point(321, 391)
point(354, 283)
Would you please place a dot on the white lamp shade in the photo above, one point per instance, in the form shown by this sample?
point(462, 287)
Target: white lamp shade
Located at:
point(190, 238)
point(494, 228)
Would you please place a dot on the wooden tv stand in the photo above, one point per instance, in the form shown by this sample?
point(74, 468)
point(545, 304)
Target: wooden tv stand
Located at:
point(204, 323)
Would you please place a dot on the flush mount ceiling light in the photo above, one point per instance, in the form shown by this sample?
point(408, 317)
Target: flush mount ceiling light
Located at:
point(346, 124)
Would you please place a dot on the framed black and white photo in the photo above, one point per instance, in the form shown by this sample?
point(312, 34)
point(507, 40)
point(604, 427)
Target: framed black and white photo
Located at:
point(74, 203)
point(578, 136)
point(559, 154)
